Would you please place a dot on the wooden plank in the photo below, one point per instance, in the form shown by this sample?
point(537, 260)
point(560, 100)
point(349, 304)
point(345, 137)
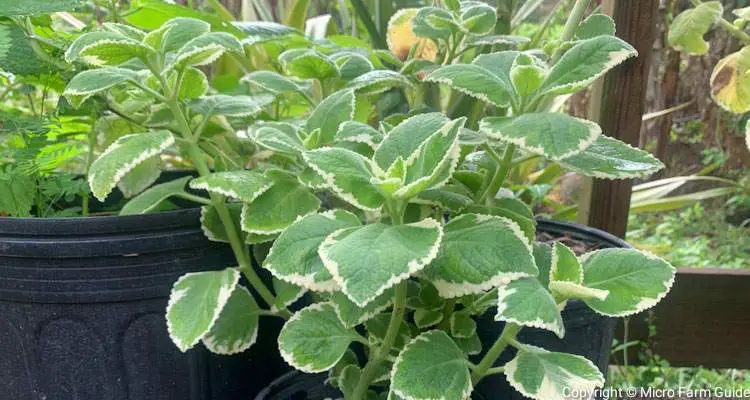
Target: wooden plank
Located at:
point(704, 321)
point(622, 103)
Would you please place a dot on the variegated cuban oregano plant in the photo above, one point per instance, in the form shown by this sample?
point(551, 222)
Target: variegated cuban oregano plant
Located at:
point(395, 221)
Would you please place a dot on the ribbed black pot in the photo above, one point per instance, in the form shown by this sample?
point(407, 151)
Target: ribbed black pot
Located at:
point(82, 304)
point(586, 333)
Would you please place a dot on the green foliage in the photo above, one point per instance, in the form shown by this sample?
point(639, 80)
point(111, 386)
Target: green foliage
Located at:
point(346, 160)
point(687, 30)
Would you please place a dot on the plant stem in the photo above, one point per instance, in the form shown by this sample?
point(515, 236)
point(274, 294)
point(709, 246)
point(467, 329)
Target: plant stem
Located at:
point(575, 18)
point(500, 174)
point(381, 353)
point(235, 241)
point(194, 198)
point(364, 15)
point(450, 306)
point(738, 33)
point(509, 334)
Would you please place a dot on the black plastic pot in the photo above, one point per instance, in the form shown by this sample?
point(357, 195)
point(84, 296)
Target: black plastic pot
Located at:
point(82, 304)
point(587, 334)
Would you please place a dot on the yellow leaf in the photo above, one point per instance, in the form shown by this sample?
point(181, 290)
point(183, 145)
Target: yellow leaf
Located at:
point(730, 82)
point(401, 37)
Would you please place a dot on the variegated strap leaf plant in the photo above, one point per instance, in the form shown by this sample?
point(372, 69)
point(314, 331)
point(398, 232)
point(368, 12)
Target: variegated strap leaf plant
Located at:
point(392, 216)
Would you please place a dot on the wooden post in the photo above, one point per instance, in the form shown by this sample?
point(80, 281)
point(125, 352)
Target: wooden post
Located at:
point(606, 205)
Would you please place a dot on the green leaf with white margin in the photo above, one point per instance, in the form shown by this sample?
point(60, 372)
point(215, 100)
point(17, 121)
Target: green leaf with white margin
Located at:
point(286, 294)
point(175, 33)
point(212, 224)
point(462, 325)
point(278, 137)
point(140, 177)
point(433, 163)
point(150, 199)
point(432, 367)
point(122, 156)
point(348, 175)
point(479, 253)
point(447, 197)
point(348, 380)
point(566, 276)
point(274, 82)
point(231, 106)
point(585, 62)
point(527, 303)
point(636, 281)
point(243, 185)
point(93, 81)
point(125, 30)
point(114, 52)
point(377, 328)
point(357, 132)
point(278, 207)
point(596, 25)
point(369, 260)
point(378, 81)
point(352, 315)
point(331, 113)
point(609, 158)
point(96, 39)
point(487, 78)
point(543, 259)
point(194, 84)
point(314, 339)
point(565, 265)
point(204, 50)
point(406, 138)
point(308, 64)
point(294, 255)
point(36, 7)
point(195, 303)
point(434, 23)
point(478, 18)
point(236, 329)
point(687, 30)
point(351, 65)
point(543, 375)
point(424, 318)
point(552, 135)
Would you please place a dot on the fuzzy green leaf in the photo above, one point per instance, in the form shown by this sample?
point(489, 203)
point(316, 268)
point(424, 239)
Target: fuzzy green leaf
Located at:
point(367, 261)
point(91, 82)
point(194, 84)
point(553, 135)
point(122, 156)
point(140, 177)
point(330, 113)
point(432, 366)
point(348, 175)
point(308, 64)
point(278, 137)
point(294, 256)
point(205, 49)
point(275, 82)
point(150, 199)
point(462, 325)
point(352, 315)
point(487, 78)
point(36, 7)
point(278, 207)
point(175, 33)
point(478, 18)
point(286, 294)
point(405, 139)
point(584, 62)
point(635, 281)
point(196, 302)
point(357, 132)
point(609, 158)
point(378, 81)
point(479, 253)
point(243, 185)
point(527, 303)
point(231, 106)
point(213, 225)
point(236, 329)
point(542, 375)
point(596, 25)
point(314, 339)
point(687, 29)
